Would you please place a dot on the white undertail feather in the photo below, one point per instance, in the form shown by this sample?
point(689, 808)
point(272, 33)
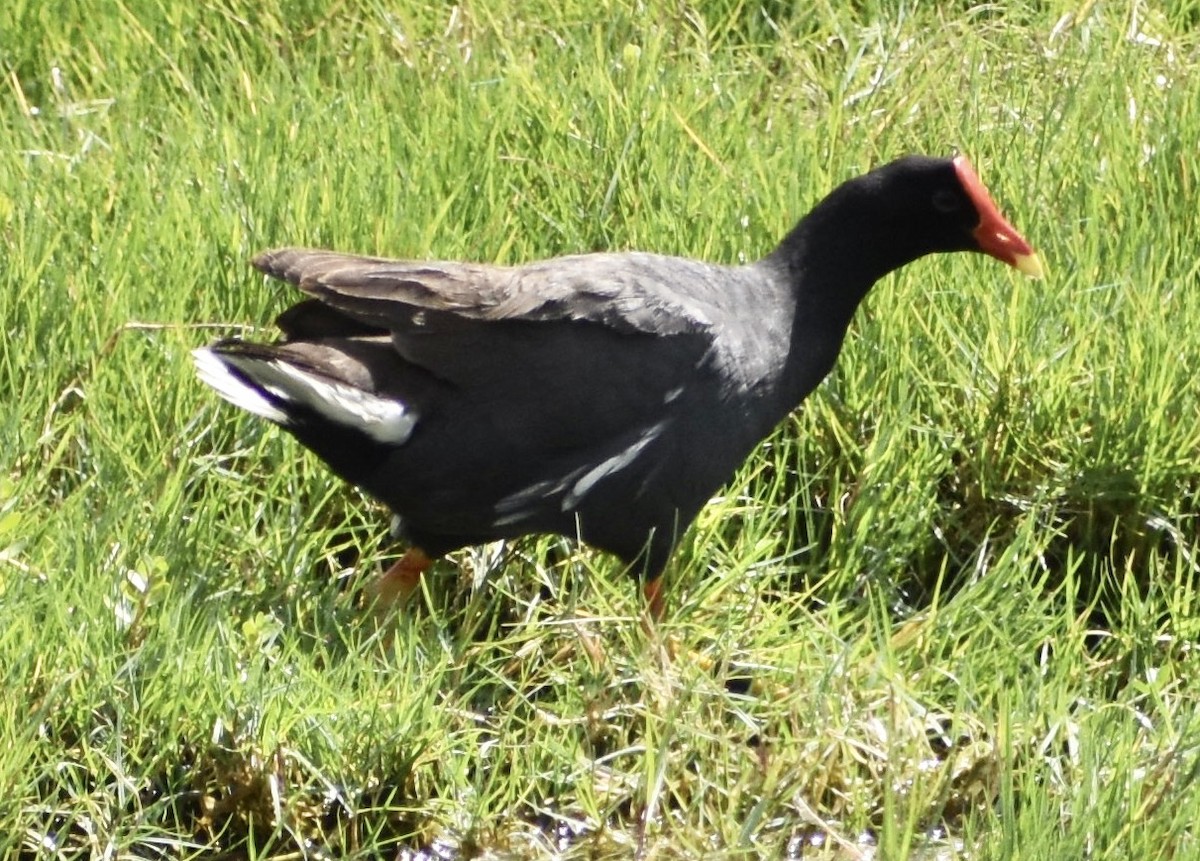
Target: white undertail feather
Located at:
point(212, 370)
point(275, 383)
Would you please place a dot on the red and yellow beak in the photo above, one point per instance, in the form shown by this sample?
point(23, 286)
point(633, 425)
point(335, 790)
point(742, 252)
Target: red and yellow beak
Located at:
point(994, 234)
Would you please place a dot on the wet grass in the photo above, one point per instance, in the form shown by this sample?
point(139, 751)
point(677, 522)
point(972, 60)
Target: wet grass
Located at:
point(961, 580)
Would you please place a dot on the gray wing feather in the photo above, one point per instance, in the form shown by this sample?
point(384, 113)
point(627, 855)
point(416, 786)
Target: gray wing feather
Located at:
point(625, 292)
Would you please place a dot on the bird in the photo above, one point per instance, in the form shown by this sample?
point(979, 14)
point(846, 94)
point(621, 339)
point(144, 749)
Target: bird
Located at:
point(604, 396)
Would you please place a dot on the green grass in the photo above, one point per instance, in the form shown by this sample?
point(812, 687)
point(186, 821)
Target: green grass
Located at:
point(962, 578)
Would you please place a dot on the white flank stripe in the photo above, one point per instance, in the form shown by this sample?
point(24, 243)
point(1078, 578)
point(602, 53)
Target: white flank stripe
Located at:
point(211, 369)
point(515, 517)
point(607, 467)
point(384, 420)
point(525, 503)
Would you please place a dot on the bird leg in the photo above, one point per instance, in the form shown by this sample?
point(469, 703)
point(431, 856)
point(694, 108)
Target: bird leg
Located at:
point(394, 586)
point(656, 604)
point(655, 612)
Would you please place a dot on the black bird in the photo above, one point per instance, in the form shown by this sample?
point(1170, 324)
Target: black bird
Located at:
point(605, 396)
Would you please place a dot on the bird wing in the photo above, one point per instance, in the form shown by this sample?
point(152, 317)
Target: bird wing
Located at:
point(628, 293)
point(564, 354)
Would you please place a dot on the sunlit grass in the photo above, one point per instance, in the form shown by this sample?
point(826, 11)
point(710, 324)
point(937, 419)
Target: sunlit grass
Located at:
point(946, 611)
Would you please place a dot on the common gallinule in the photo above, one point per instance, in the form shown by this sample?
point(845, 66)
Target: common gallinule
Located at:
point(605, 396)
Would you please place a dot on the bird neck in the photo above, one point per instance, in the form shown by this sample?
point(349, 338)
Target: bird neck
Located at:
point(843, 246)
point(828, 263)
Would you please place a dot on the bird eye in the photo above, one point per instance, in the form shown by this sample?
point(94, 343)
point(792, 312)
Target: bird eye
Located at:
point(945, 200)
